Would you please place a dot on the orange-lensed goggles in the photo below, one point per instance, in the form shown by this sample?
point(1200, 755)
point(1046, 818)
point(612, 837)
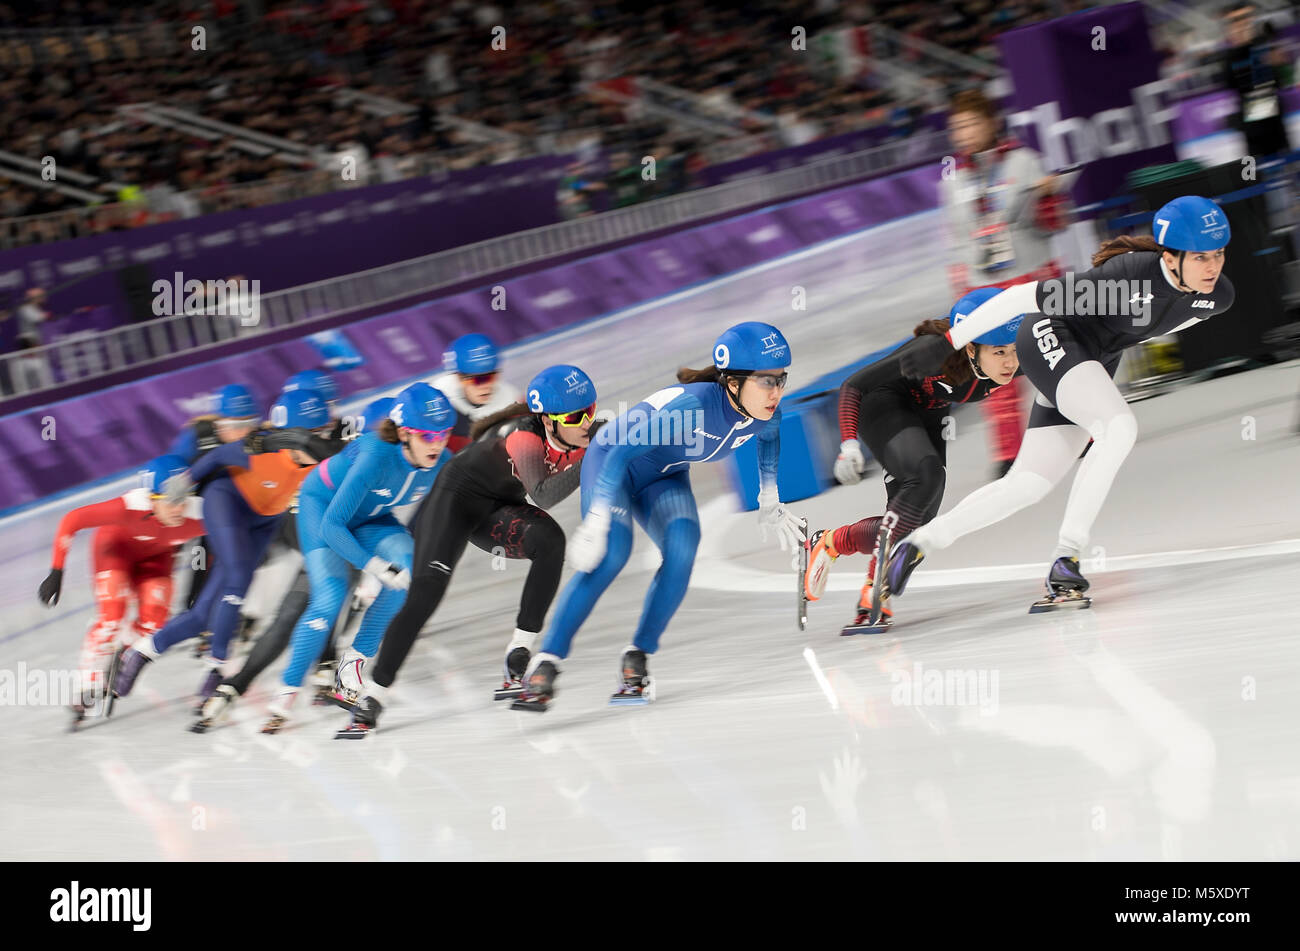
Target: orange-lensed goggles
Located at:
point(579, 417)
point(479, 379)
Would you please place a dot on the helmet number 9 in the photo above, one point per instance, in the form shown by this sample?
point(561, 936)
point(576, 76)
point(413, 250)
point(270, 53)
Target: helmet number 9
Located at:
point(721, 356)
point(279, 416)
point(1164, 226)
point(535, 401)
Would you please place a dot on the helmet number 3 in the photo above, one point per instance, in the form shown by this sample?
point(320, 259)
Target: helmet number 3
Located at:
point(721, 356)
point(1164, 226)
point(535, 401)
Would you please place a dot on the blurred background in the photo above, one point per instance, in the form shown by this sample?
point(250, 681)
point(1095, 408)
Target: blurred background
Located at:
point(357, 158)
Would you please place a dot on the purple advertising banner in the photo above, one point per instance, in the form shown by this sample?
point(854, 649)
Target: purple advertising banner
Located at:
point(79, 440)
point(346, 231)
point(1087, 90)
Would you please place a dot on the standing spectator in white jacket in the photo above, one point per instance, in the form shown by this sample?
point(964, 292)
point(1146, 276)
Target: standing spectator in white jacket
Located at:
point(1001, 211)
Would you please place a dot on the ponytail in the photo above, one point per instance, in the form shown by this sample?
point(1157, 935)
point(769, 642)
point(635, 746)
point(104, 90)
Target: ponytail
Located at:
point(1123, 244)
point(707, 375)
point(513, 411)
point(387, 431)
point(956, 369)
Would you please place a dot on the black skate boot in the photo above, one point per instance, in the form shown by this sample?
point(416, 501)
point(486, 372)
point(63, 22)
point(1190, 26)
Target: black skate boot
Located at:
point(539, 689)
point(128, 669)
point(513, 685)
point(903, 560)
point(216, 708)
point(203, 644)
point(637, 686)
point(365, 720)
point(1065, 588)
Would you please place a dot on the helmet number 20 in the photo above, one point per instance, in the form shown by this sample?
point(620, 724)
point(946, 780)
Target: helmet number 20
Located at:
point(535, 401)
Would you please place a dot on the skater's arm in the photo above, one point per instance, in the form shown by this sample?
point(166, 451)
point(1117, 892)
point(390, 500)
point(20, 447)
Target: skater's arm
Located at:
point(231, 454)
point(528, 454)
point(634, 438)
point(273, 440)
point(88, 516)
point(996, 311)
point(186, 444)
point(769, 453)
point(365, 473)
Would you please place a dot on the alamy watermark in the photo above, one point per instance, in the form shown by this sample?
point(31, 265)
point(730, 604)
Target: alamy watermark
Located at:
point(62, 687)
point(229, 298)
point(950, 687)
point(1063, 297)
point(76, 904)
point(637, 426)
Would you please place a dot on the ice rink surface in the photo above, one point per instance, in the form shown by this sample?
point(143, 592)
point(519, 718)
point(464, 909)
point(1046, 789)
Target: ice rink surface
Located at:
point(1160, 724)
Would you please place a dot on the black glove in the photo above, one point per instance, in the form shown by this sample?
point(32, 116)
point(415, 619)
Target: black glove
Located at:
point(255, 442)
point(924, 356)
point(50, 587)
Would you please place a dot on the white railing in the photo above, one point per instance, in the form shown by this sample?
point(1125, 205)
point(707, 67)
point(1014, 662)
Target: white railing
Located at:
point(81, 358)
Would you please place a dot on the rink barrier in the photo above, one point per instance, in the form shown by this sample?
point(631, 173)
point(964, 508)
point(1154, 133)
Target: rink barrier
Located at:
point(810, 440)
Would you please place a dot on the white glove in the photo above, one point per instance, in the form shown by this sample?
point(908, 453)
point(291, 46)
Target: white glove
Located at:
point(850, 464)
point(587, 546)
point(389, 575)
point(367, 589)
point(176, 489)
point(772, 514)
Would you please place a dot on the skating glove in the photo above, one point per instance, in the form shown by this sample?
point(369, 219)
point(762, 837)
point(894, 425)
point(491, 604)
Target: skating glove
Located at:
point(178, 488)
point(924, 356)
point(51, 587)
point(389, 575)
point(850, 464)
point(587, 547)
point(772, 514)
point(367, 589)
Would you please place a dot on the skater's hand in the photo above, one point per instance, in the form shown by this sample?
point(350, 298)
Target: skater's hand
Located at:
point(51, 587)
point(367, 589)
point(389, 575)
point(177, 489)
point(586, 549)
point(924, 356)
point(850, 464)
point(772, 514)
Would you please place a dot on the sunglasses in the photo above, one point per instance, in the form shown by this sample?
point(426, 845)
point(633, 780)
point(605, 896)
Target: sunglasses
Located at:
point(578, 417)
point(479, 379)
point(770, 381)
point(432, 435)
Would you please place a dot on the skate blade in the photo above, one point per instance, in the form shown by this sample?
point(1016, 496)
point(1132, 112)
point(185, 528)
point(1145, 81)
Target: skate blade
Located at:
point(868, 628)
point(1044, 605)
point(507, 693)
point(335, 700)
point(201, 726)
point(628, 700)
point(354, 732)
point(801, 580)
point(533, 706)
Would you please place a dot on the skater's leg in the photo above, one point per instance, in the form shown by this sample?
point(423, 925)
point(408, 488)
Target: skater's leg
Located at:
point(388, 539)
point(272, 642)
point(152, 580)
point(440, 530)
point(273, 579)
point(327, 575)
point(913, 460)
point(1046, 455)
point(112, 586)
point(526, 531)
point(1088, 396)
point(666, 510)
point(584, 589)
point(244, 554)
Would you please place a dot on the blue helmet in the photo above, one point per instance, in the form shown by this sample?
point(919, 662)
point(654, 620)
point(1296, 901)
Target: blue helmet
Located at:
point(1191, 223)
point(751, 346)
point(470, 354)
point(420, 406)
point(156, 472)
point(562, 388)
point(374, 414)
point(317, 380)
point(235, 401)
point(300, 409)
point(997, 337)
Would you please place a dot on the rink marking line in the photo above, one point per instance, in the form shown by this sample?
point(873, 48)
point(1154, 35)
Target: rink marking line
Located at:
point(714, 572)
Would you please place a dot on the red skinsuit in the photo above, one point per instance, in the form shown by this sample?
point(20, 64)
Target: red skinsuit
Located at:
point(130, 552)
